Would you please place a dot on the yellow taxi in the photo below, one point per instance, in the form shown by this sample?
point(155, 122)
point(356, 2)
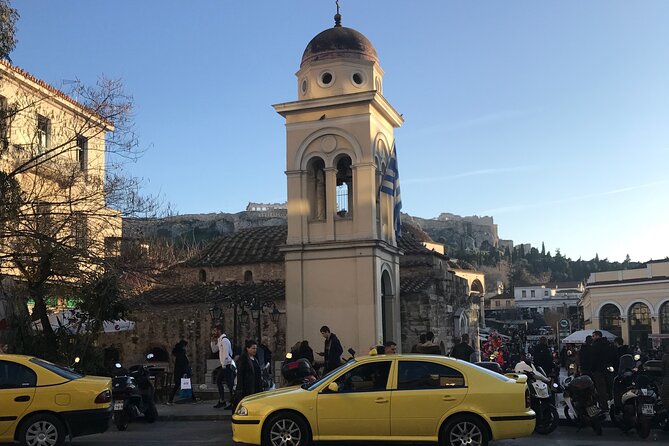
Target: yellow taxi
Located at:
point(42, 403)
point(405, 398)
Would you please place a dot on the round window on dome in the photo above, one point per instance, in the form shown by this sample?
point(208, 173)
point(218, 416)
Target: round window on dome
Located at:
point(326, 79)
point(357, 78)
point(303, 86)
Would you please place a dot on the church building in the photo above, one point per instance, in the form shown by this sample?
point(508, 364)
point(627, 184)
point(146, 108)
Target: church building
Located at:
point(342, 259)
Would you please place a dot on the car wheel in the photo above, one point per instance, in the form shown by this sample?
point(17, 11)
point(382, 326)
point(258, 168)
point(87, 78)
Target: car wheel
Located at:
point(464, 431)
point(285, 429)
point(42, 430)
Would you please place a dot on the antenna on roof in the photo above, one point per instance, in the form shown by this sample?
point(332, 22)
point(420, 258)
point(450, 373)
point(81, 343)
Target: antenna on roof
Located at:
point(337, 16)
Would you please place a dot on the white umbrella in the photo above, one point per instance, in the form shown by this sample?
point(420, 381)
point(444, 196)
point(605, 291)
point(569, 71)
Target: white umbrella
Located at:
point(578, 337)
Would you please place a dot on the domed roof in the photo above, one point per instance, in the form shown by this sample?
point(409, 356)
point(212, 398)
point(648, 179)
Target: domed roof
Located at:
point(339, 42)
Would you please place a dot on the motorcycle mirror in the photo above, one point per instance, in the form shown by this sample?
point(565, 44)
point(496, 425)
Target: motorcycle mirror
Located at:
point(150, 356)
point(637, 357)
point(118, 365)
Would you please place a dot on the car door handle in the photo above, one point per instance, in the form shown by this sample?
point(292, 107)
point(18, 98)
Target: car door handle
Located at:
point(448, 398)
point(381, 400)
point(22, 398)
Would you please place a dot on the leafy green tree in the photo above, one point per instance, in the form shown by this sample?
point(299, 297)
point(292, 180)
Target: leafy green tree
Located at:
point(8, 18)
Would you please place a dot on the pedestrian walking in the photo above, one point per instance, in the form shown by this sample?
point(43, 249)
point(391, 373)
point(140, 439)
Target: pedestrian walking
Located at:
point(463, 350)
point(585, 357)
point(333, 350)
point(249, 378)
point(221, 344)
point(182, 369)
point(603, 354)
point(543, 357)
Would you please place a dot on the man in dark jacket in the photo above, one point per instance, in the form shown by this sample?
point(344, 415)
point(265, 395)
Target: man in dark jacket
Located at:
point(585, 357)
point(333, 350)
point(603, 354)
point(543, 357)
point(463, 350)
point(621, 349)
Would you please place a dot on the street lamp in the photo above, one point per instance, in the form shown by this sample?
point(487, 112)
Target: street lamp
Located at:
point(216, 313)
point(244, 317)
point(274, 315)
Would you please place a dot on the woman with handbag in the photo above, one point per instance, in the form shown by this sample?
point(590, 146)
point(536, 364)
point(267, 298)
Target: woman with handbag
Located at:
point(181, 369)
point(249, 378)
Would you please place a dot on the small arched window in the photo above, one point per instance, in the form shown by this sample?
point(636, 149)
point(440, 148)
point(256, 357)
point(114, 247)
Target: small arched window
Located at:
point(344, 187)
point(202, 276)
point(316, 188)
point(248, 277)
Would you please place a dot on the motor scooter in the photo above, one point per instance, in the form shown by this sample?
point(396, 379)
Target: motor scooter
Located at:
point(298, 372)
point(133, 395)
point(541, 400)
point(634, 397)
point(623, 415)
point(580, 397)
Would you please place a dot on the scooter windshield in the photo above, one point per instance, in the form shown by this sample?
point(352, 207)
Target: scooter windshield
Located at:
point(626, 363)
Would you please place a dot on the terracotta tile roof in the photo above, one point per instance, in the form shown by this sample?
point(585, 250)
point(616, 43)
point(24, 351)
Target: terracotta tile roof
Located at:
point(23, 73)
point(261, 245)
point(411, 244)
point(254, 245)
point(210, 293)
point(417, 285)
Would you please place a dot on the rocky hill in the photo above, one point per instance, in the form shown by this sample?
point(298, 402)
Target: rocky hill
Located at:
point(456, 232)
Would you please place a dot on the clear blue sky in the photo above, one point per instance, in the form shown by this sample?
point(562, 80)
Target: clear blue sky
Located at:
point(553, 117)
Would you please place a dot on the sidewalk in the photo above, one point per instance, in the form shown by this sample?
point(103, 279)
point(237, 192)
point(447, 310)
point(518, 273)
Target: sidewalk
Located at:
point(188, 411)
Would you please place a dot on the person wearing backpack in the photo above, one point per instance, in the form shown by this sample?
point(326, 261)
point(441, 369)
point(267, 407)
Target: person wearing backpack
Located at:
point(221, 344)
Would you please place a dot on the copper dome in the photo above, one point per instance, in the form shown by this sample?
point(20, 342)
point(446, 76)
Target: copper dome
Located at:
point(338, 42)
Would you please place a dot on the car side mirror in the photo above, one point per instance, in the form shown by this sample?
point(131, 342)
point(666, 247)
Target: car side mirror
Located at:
point(333, 387)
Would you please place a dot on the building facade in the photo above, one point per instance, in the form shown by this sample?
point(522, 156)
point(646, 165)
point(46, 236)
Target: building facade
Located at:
point(52, 150)
point(631, 303)
point(341, 255)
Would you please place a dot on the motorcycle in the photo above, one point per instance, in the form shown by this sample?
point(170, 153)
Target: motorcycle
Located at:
point(634, 397)
point(542, 399)
point(580, 399)
point(298, 372)
point(623, 415)
point(133, 395)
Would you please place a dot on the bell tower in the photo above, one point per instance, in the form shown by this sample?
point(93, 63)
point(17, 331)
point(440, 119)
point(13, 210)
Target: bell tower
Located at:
point(341, 256)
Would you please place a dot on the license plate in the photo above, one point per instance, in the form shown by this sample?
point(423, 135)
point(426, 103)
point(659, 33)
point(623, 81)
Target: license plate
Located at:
point(118, 405)
point(647, 409)
point(593, 411)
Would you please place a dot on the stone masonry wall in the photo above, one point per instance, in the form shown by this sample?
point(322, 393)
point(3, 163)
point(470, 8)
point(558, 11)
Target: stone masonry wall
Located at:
point(163, 326)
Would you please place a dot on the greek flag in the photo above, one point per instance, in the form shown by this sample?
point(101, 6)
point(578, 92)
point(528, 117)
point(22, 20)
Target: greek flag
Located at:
point(391, 186)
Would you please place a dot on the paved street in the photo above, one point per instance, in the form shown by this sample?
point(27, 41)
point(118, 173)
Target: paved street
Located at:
point(218, 432)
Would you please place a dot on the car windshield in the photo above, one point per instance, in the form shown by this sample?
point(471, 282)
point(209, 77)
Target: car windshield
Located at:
point(320, 381)
point(58, 370)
